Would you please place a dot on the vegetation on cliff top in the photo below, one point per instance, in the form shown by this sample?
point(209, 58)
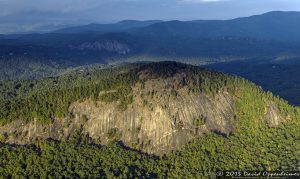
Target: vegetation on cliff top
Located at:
point(254, 145)
point(49, 98)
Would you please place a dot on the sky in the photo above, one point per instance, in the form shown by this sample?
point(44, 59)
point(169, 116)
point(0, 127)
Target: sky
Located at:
point(29, 15)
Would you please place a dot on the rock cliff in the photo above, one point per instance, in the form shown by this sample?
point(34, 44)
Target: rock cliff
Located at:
point(163, 116)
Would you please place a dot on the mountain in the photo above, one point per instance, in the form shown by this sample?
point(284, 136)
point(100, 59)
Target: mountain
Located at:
point(121, 26)
point(153, 120)
point(59, 52)
point(276, 75)
point(274, 26)
point(254, 40)
point(51, 54)
point(268, 36)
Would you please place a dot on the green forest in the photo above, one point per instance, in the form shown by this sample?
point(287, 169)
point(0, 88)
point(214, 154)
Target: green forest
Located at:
point(269, 149)
point(253, 145)
point(48, 98)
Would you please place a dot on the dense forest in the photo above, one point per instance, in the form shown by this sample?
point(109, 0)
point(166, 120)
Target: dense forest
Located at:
point(51, 97)
point(262, 149)
point(254, 145)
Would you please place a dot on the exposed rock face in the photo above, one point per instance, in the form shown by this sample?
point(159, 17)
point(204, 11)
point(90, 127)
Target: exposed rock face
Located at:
point(107, 45)
point(273, 119)
point(163, 116)
point(156, 125)
point(19, 132)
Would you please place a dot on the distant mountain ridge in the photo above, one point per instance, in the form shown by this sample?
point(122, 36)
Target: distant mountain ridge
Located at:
point(276, 25)
point(267, 36)
point(117, 27)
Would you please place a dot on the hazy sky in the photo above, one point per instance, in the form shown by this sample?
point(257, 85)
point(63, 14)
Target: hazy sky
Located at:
point(26, 15)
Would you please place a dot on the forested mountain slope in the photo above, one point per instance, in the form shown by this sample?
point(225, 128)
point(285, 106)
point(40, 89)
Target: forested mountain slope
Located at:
point(275, 75)
point(274, 26)
point(270, 35)
point(197, 121)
